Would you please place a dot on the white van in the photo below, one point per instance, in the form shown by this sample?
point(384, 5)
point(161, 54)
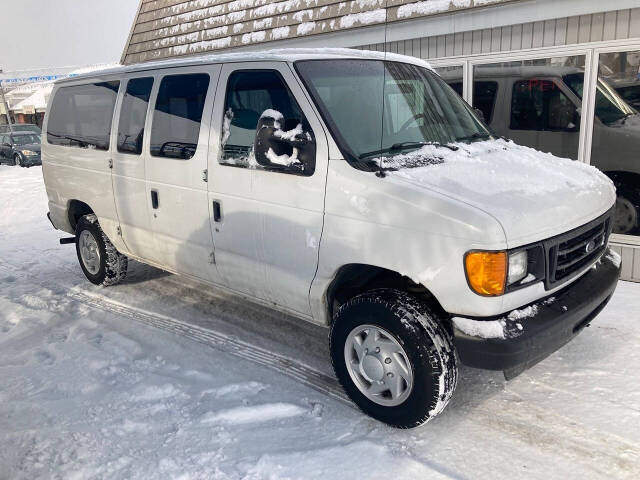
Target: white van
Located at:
point(350, 189)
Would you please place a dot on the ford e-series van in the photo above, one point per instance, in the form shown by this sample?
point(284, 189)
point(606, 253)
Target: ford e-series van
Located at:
point(350, 189)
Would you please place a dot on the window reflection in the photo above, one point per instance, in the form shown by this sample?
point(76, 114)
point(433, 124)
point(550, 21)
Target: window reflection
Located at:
point(616, 133)
point(530, 102)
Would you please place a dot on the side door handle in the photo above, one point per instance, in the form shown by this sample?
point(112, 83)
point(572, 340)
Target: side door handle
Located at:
point(217, 211)
point(154, 199)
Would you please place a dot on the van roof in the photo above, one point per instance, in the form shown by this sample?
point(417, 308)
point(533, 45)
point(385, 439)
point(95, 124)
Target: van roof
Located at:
point(279, 55)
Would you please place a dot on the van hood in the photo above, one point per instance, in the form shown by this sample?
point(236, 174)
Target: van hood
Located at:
point(533, 195)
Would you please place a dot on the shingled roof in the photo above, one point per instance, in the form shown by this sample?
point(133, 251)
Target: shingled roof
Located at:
point(172, 28)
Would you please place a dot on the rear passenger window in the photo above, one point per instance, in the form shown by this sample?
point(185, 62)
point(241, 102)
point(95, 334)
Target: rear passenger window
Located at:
point(177, 115)
point(133, 114)
point(81, 115)
point(263, 126)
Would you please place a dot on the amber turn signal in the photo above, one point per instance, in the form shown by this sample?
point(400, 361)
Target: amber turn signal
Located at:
point(486, 272)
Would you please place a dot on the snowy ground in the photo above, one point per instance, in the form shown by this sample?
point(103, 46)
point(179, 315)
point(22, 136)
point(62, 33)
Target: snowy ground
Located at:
point(104, 383)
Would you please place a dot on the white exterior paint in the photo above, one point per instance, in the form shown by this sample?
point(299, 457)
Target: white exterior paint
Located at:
point(277, 230)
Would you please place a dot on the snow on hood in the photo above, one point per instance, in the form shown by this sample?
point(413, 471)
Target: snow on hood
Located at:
point(533, 195)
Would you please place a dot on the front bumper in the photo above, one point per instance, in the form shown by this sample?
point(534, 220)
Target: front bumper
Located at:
point(519, 339)
point(30, 161)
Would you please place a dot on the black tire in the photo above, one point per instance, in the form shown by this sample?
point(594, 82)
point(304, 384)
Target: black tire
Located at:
point(17, 160)
point(113, 265)
point(627, 205)
point(427, 344)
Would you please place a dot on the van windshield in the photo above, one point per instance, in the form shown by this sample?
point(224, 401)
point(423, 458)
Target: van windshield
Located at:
point(376, 108)
point(610, 107)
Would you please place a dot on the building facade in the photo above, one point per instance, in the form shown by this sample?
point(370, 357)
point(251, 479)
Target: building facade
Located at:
point(558, 75)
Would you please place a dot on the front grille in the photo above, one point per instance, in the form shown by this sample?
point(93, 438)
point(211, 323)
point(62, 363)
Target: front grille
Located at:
point(569, 253)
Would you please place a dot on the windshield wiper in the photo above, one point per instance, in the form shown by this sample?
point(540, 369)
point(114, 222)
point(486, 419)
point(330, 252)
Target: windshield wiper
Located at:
point(473, 136)
point(402, 145)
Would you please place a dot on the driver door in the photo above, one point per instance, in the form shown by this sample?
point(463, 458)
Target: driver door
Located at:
point(266, 218)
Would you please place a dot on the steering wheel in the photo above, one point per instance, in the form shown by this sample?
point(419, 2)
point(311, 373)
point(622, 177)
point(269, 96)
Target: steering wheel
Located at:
point(406, 124)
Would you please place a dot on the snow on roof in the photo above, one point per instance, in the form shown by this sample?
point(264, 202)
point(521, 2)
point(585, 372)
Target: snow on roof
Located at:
point(281, 55)
point(38, 99)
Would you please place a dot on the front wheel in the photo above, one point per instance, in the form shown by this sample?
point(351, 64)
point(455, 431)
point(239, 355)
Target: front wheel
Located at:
point(101, 263)
point(17, 160)
point(626, 218)
point(393, 357)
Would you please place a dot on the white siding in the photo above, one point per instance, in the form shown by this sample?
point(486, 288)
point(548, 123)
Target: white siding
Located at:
point(618, 25)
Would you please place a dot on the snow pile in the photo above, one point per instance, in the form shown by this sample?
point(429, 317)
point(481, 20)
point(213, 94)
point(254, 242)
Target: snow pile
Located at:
point(280, 32)
point(255, 414)
point(305, 28)
point(508, 327)
point(430, 7)
point(284, 159)
point(481, 329)
point(226, 126)
point(254, 37)
point(523, 313)
point(363, 18)
point(290, 135)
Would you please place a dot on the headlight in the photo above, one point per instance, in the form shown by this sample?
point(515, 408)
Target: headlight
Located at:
point(29, 153)
point(495, 273)
point(517, 266)
point(486, 272)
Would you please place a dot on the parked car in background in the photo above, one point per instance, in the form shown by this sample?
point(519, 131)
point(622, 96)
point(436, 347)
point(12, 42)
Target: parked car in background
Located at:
point(540, 106)
point(20, 127)
point(351, 189)
point(20, 148)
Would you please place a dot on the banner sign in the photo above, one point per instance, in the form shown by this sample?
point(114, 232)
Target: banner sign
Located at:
point(38, 78)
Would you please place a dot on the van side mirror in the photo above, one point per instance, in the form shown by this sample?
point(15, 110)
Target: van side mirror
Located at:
point(284, 145)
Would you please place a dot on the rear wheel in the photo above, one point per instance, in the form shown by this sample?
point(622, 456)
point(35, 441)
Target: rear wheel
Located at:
point(101, 263)
point(393, 357)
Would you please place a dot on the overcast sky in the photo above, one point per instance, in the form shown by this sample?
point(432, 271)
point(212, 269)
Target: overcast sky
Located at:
point(60, 33)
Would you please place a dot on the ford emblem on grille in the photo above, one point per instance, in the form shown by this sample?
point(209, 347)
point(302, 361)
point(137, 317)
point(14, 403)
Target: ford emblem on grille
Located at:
point(589, 247)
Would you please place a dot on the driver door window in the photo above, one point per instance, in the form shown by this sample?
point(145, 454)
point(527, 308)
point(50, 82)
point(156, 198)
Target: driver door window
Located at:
point(263, 126)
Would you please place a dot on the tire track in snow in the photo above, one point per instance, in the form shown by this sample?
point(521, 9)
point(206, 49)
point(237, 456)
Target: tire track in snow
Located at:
point(219, 341)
